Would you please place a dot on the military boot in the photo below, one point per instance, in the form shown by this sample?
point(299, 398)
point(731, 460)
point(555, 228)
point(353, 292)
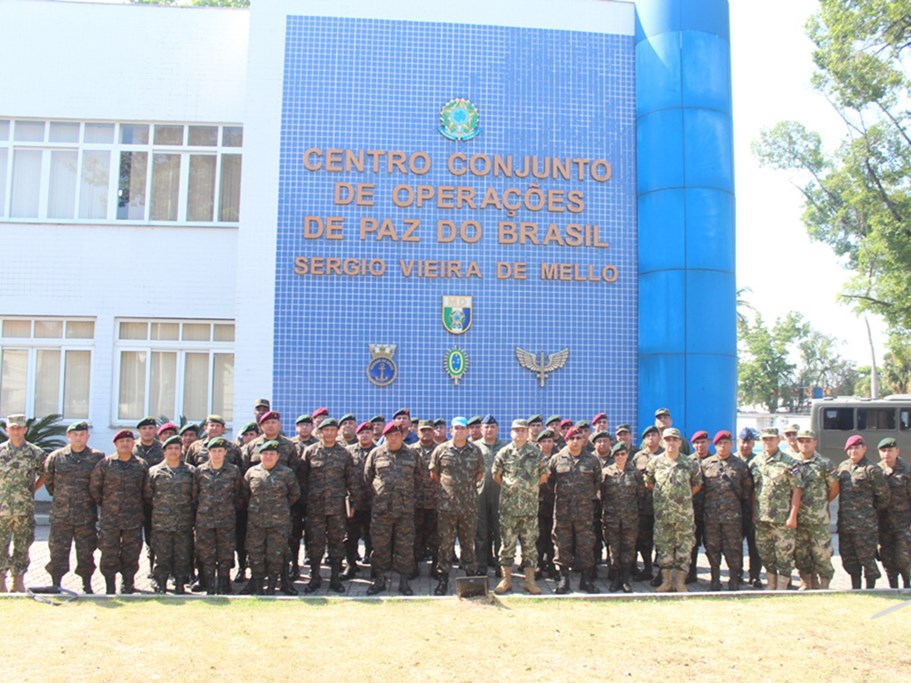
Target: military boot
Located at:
point(110, 584)
point(57, 580)
point(715, 584)
point(666, 581)
point(378, 585)
point(159, 582)
point(680, 583)
point(350, 568)
point(404, 585)
point(505, 584)
point(855, 581)
point(18, 583)
point(126, 584)
point(691, 574)
point(617, 583)
point(625, 584)
point(806, 582)
point(3, 588)
point(315, 581)
point(294, 572)
point(224, 582)
point(734, 582)
point(658, 580)
point(181, 581)
point(871, 582)
point(906, 576)
point(892, 577)
point(212, 588)
point(271, 584)
point(530, 585)
point(335, 579)
point(87, 585)
point(287, 585)
point(442, 587)
point(255, 586)
point(562, 587)
point(646, 572)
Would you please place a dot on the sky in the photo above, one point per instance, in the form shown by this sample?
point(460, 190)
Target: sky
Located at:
point(771, 69)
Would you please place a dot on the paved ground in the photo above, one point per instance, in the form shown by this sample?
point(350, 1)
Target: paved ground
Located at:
point(37, 576)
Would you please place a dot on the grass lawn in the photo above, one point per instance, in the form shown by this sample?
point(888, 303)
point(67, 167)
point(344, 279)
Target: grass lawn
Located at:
point(818, 637)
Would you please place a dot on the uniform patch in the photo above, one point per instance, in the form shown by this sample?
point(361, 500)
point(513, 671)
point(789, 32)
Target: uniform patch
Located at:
point(382, 370)
point(457, 315)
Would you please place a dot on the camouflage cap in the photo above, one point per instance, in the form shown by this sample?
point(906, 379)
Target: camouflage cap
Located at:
point(671, 432)
point(769, 431)
point(175, 441)
point(619, 447)
point(262, 403)
point(806, 434)
point(17, 420)
point(791, 428)
point(425, 424)
point(217, 442)
point(216, 419)
point(623, 428)
point(271, 445)
point(662, 411)
point(888, 442)
point(81, 426)
point(520, 424)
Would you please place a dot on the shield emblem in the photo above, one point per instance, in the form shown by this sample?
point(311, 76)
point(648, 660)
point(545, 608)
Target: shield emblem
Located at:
point(457, 316)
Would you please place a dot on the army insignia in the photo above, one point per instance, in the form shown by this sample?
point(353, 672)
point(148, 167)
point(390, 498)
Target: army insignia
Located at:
point(540, 367)
point(382, 370)
point(455, 364)
point(457, 314)
point(459, 120)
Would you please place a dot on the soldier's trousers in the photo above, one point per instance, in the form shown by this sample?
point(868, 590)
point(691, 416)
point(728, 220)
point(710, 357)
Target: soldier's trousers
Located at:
point(523, 529)
point(574, 540)
point(487, 536)
point(173, 552)
point(393, 542)
point(216, 547)
point(600, 540)
point(674, 542)
point(749, 533)
point(895, 548)
point(323, 529)
point(461, 524)
point(120, 548)
point(858, 551)
point(426, 533)
point(240, 538)
point(698, 537)
point(357, 528)
point(267, 547)
point(645, 540)
point(297, 531)
point(813, 550)
point(775, 543)
point(621, 535)
point(545, 543)
point(18, 530)
point(724, 537)
point(59, 541)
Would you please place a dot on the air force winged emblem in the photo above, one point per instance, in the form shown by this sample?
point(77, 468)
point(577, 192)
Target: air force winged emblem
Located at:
point(542, 368)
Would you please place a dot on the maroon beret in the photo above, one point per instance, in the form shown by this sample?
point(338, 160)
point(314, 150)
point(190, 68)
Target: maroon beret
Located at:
point(320, 411)
point(392, 427)
point(720, 436)
point(702, 434)
point(123, 434)
point(364, 426)
point(271, 415)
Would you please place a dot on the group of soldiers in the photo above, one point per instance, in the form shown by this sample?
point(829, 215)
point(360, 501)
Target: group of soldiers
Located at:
point(570, 495)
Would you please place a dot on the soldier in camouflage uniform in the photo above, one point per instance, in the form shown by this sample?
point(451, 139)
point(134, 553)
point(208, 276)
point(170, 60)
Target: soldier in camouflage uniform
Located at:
point(487, 544)
point(73, 512)
point(117, 485)
point(21, 474)
point(198, 452)
point(392, 471)
point(218, 492)
point(426, 538)
point(674, 479)
point(645, 539)
point(519, 471)
point(601, 448)
point(621, 491)
point(745, 442)
point(457, 466)
point(169, 490)
point(778, 486)
point(813, 543)
point(357, 526)
point(863, 491)
point(328, 477)
point(270, 489)
point(303, 426)
point(577, 477)
point(728, 488)
point(545, 543)
point(347, 430)
point(700, 443)
point(895, 520)
point(148, 449)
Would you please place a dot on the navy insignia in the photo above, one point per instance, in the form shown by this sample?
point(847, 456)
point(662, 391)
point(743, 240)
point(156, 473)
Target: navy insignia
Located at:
point(455, 364)
point(457, 316)
point(542, 367)
point(459, 120)
point(382, 370)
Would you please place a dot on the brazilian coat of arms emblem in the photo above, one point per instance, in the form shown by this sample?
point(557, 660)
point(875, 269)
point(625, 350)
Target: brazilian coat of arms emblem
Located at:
point(459, 120)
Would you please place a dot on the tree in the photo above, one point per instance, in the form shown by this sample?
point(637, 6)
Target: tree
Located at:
point(857, 199)
point(895, 373)
point(194, 3)
point(742, 307)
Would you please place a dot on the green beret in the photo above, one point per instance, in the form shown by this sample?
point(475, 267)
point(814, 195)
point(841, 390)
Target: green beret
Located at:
point(603, 434)
point(268, 446)
point(618, 447)
point(147, 422)
point(81, 426)
point(474, 420)
point(303, 419)
point(191, 427)
point(249, 427)
point(648, 430)
point(535, 418)
point(378, 418)
point(439, 422)
point(552, 418)
point(218, 442)
point(888, 442)
point(584, 424)
point(545, 434)
point(345, 418)
point(172, 441)
point(328, 422)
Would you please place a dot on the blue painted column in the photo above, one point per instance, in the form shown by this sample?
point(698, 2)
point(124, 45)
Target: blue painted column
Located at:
point(687, 295)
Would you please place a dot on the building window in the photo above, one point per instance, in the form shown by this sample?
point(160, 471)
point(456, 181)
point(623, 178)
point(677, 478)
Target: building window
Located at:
point(45, 366)
point(174, 368)
point(120, 172)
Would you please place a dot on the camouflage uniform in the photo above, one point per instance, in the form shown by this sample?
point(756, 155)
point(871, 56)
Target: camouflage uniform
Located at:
point(73, 512)
point(299, 509)
point(487, 535)
point(862, 491)
point(393, 477)
point(576, 479)
point(675, 526)
point(198, 453)
point(728, 488)
point(458, 469)
point(218, 494)
point(521, 470)
point(621, 494)
point(426, 536)
point(895, 522)
point(327, 476)
point(813, 543)
point(749, 524)
point(151, 455)
point(117, 488)
point(774, 477)
point(169, 490)
point(20, 469)
point(358, 527)
point(645, 539)
point(269, 495)
point(545, 544)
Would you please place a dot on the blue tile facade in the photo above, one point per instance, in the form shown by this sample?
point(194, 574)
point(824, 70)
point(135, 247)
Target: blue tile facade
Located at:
point(364, 84)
